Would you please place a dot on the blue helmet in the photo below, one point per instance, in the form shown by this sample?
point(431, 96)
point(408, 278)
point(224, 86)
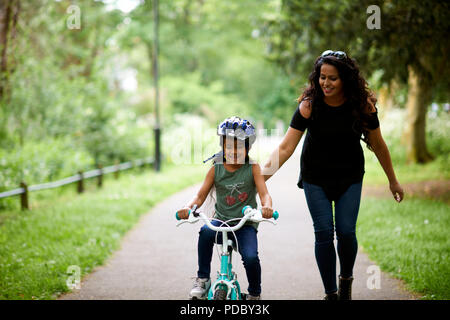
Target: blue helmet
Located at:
point(237, 128)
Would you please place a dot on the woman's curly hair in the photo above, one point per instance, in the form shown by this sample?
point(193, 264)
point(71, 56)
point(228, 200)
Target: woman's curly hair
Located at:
point(355, 89)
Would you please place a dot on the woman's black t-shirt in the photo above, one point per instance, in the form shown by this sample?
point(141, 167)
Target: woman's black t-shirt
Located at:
point(332, 156)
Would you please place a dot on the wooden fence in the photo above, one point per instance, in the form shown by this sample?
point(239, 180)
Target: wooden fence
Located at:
point(24, 189)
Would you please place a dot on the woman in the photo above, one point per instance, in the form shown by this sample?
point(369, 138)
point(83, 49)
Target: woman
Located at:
point(338, 110)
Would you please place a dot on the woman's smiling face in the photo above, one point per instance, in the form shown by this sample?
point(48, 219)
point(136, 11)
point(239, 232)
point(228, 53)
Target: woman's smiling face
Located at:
point(330, 82)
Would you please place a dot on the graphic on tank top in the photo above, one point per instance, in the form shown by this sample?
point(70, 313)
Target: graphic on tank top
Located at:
point(241, 196)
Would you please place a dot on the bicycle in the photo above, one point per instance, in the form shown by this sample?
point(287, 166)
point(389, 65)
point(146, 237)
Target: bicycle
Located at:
point(226, 287)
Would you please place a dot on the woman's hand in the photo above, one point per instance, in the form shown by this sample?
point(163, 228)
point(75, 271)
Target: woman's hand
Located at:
point(384, 157)
point(184, 213)
point(267, 212)
point(397, 191)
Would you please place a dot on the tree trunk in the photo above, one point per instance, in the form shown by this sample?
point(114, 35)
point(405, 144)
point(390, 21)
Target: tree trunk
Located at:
point(9, 13)
point(419, 98)
point(5, 18)
point(386, 98)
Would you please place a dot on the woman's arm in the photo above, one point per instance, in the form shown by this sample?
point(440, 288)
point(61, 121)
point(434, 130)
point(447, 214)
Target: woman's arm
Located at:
point(266, 199)
point(201, 195)
point(287, 147)
point(382, 153)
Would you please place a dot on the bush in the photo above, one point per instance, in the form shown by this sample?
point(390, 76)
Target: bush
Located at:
point(40, 161)
point(438, 129)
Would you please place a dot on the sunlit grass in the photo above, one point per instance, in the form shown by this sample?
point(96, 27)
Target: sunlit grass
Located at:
point(409, 240)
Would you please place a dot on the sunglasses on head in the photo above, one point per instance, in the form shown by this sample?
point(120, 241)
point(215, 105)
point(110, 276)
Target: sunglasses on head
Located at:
point(337, 54)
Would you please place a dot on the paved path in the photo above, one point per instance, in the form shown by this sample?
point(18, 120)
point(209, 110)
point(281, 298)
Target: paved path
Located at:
point(157, 259)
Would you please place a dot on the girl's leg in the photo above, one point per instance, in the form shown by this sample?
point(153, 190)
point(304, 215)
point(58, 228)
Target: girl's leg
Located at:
point(346, 214)
point(322, 215)
point(205, 249)
point(248, 248)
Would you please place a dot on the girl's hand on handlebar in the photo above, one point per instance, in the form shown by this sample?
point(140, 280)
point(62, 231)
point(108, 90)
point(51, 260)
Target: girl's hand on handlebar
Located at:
point(184, 213)
point(267, 212)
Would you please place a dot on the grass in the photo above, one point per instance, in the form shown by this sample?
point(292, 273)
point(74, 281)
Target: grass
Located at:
point(64, 229)
point(410, 241)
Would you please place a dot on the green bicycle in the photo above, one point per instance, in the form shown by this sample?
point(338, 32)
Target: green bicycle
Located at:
point(226, 286)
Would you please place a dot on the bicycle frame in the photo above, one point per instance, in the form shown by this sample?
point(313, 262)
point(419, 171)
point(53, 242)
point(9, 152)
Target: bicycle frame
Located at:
point(226, 278)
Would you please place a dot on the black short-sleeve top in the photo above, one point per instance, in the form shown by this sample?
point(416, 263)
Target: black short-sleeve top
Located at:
point(332, 156)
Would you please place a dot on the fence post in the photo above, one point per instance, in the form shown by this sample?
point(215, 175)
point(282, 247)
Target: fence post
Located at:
point(100, 177)
point(80, 185)
point(24, 196)
point(116, 173)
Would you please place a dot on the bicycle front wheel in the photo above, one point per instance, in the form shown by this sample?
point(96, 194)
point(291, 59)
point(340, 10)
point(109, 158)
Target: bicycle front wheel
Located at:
point(220, 294)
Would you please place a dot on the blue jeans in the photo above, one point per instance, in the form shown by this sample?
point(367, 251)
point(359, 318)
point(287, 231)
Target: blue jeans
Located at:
point(248, 248)
point(345, 214)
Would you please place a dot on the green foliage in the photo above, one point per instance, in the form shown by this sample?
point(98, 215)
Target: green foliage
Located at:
point(438, 128)
point(437, 132)
point(412, 33)
point(64, 110)
point(187, 95)
point(211, 52)
point(39, 162)
point(66, 85)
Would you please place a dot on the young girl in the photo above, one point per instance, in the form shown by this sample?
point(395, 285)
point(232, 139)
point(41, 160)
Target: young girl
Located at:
point(236, 181)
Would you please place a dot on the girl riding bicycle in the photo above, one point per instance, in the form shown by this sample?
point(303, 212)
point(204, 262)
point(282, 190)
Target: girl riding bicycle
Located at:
point(236, 179)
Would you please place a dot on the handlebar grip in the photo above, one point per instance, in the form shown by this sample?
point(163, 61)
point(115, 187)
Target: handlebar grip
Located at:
point(275, 215)
point(245, 208)
point(178, 218)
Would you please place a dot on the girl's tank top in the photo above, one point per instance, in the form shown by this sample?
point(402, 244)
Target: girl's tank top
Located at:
point(234, 190)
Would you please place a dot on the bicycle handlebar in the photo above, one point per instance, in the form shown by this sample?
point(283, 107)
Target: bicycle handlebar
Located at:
point(248, 212)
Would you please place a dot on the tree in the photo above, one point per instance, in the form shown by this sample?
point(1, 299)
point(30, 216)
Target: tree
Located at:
point(216, 43)
point(410, 48)
point(9, 13)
